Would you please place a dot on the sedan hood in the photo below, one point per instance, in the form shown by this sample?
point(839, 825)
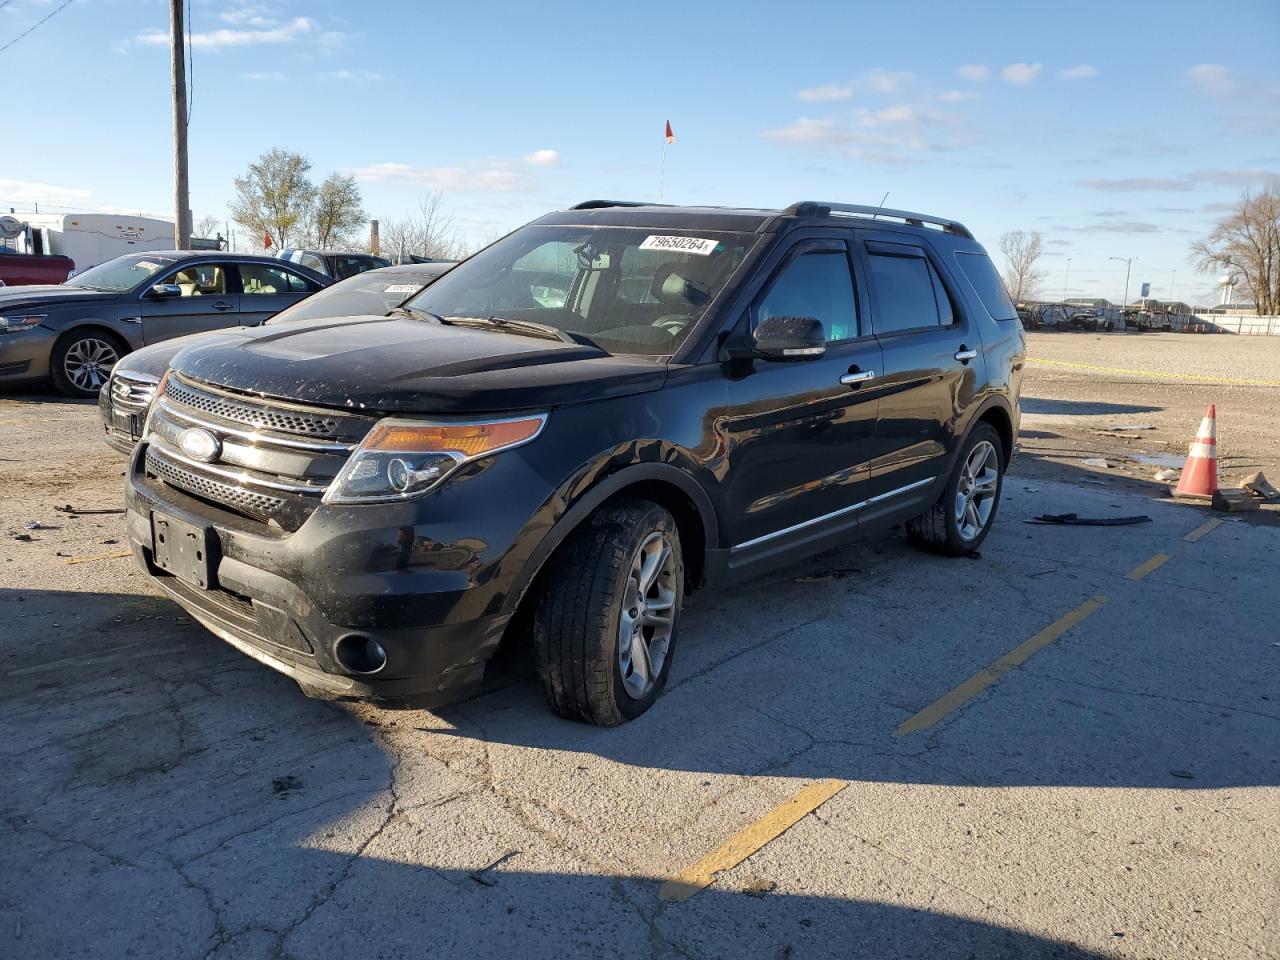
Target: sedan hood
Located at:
point(48, 293)
point(401, 365)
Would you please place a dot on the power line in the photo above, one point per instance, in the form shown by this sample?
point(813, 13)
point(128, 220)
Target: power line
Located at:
point(56, 11)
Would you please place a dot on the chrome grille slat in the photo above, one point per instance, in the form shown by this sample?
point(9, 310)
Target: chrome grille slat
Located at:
point(252, 503)
point(253, 414)
point(132, 392)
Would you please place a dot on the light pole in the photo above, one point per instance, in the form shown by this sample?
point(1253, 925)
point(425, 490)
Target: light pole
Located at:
point(1065, 281)
point(1128, 264)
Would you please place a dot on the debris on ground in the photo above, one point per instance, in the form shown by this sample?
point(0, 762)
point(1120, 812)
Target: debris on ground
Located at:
point(828, 577)
point(1258, 485)
point(37, 525)
point(757, 887)
point(1234, 501)
point(23, 537)
point(1096, 462)
point(87, 511)
point(119, 554)
point(479, 876)
point(1167, 475)
point(1075, 520)
point(286, 783)
point(1125, 427)
point(1183, 774)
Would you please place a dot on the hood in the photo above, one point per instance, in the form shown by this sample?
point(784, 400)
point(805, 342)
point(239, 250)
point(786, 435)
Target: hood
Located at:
point(401, 365)
point(43, 293)
point(155, 359)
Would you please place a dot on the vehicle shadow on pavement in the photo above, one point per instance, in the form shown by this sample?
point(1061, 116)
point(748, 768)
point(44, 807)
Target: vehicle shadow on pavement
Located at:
point(1083, 408)
point(166, 796)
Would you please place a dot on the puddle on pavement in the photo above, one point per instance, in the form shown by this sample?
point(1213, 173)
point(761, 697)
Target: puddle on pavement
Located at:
point(1174, 460)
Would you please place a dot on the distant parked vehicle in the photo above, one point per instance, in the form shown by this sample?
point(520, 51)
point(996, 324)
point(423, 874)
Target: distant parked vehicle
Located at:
point(18, 269)
point(123, 404)
point(1090, 320)
point(75, 333)
point(337, 264)
point(88, 238)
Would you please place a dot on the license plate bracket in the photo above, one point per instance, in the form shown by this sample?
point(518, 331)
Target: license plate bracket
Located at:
point(183, 549)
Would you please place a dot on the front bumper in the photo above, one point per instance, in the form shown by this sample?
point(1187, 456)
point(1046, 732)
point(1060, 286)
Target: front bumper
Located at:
point(25, 355)
point(403, 575)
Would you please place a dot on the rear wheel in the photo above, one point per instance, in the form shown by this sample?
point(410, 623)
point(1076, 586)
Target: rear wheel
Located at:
point(81, 363)
point(961, 519)
point(604, 626)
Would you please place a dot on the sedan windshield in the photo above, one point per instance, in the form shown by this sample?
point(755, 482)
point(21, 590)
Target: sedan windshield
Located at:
point(372, 293)
point(631, 290)
point(122, 273)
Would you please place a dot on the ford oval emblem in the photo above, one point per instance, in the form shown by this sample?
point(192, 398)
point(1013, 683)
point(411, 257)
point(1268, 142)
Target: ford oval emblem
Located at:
point(200, 444)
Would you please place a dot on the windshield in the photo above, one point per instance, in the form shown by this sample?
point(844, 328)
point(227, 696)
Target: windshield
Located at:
point(366, 293)
point(631, 290)
point(122, 273)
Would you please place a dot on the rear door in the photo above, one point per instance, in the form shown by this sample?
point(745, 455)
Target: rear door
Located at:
point(207, 301)
point(799, 434)
point(932, 361)
point(267, 288)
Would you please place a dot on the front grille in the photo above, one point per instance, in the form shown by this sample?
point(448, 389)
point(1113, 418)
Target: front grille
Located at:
point(251, 503)
point(133, 392)
point(252, 414)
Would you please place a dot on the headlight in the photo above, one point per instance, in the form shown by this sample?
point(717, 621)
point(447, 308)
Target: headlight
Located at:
point(400, 459)
point(12, 324)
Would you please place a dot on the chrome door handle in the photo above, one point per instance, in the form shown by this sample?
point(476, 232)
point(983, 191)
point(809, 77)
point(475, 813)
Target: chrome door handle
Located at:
point(964, 356)
point(862, 376)
point(221, 305)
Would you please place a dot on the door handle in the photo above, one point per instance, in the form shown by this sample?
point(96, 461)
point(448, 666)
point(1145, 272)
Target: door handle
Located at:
point(964, 354)
point(222, 305)
point(855, 377)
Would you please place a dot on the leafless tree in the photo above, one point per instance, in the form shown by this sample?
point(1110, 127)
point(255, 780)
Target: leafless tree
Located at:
point(430, 232)
point(1022, 250)
point(1247, 242)
point(337, 213)
point(275, 196)
point(206, 227)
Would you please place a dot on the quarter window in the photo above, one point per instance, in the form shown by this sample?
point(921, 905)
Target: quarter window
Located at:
point(908, 293)
point(815, 284)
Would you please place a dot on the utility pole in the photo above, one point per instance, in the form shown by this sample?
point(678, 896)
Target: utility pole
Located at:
point(1066, 280)
point(1128, 263)
point(181, 189)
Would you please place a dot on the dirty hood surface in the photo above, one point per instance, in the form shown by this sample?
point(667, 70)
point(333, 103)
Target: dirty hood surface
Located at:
point(397, 364)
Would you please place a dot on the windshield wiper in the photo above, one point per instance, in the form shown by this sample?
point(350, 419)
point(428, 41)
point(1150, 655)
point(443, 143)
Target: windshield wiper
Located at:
point(517, 326)
point(416, 313)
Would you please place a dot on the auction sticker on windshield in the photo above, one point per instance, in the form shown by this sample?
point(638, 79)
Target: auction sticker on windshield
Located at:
point(680, 245)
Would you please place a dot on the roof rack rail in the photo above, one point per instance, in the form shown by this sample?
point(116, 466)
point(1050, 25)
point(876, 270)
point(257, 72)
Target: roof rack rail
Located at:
point(814, 208)
point(601, 204)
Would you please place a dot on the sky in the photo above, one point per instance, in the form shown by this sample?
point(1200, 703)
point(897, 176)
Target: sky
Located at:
point(1116, 129)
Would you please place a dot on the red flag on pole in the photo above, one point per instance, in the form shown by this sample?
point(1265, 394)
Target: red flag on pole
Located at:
point(266, 240)
point(671, 137)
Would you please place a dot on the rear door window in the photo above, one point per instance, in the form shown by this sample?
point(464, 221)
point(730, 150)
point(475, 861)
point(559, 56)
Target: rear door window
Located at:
point(907, 292)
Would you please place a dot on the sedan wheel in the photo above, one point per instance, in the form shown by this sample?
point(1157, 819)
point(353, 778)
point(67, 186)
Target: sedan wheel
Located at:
point(83, 365)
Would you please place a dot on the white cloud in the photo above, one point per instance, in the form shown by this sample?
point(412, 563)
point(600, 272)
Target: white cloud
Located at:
point(885, 81)
point(542, 158)
point(825, 92)
point(31, 191)
point(1188, 181)
point(220, 39)
point(1081, 71)
point(263, 77)
point(957, 96)
point(891, 134)
point(499, 178)
point(1212, 78)
point(974, 71)
point(351, 76)
point(1021, 73)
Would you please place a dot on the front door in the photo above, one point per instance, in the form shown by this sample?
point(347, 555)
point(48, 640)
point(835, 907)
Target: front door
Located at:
point(205, 301)
point(932, 363)
point(266, 289)
point(799, 434)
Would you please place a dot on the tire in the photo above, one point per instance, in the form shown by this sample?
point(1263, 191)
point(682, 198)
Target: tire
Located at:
point(81, 362)
point(590, 599)
point(947, 527)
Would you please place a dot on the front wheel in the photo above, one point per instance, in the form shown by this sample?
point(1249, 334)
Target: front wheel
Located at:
point(81, 364)
point(604, 626)
point(961, 519)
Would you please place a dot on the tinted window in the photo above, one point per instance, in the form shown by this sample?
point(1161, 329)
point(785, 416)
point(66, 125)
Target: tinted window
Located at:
point(907, 291)
point(986, 281)
point(262, 280)
point(815, 284)
point(198, 281)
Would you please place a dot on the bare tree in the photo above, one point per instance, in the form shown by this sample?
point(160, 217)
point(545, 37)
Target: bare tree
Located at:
point(1247, 242)
point(206, 227)
point(275, 196)
point(1022, 249)
point(337, 213)
point(430, 232)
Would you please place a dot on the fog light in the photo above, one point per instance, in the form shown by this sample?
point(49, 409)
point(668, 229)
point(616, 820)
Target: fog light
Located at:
point(359, 654)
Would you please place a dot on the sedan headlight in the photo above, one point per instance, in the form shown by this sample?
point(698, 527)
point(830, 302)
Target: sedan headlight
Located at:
point(12, 324)
point(401, 458)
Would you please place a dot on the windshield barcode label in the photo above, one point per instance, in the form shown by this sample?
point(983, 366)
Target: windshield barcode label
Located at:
point(680, 245)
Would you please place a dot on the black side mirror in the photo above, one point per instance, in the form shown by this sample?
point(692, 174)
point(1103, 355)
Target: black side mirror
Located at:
point(165, 291)
point(790, 338)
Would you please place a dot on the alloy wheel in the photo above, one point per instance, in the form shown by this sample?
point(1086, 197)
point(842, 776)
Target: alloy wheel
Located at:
point(648, 615)
point(88, 363)
point(976, 491)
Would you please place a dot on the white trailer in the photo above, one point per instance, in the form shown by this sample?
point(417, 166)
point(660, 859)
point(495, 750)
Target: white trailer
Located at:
point(92, 238)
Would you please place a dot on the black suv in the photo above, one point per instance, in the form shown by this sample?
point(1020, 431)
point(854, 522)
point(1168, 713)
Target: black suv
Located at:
point(570, 431)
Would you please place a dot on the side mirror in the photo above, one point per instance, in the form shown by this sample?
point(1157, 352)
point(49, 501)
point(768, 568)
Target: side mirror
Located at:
point(165, 291)
point(790, 338)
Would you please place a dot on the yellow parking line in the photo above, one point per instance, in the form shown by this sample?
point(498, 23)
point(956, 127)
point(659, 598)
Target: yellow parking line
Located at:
point(747, 841)
point(1142, 569)
point(985, 677)
point(1207, 527)
point(1160, 374)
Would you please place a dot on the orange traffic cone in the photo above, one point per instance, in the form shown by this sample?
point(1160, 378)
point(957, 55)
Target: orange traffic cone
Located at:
point(1200, 475)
